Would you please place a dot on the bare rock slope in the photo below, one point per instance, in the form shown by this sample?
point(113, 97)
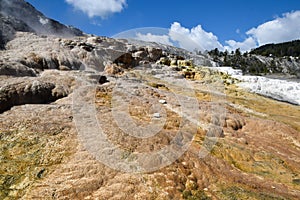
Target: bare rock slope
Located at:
point(155, 103)
point(99, 118)
point(18, 15)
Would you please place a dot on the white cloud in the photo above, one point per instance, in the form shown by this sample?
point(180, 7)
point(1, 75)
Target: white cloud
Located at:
point(163, 39)
point(281, 29)
point(196, 38)
point(246, 45)
point(101, 8)
point(190, 39)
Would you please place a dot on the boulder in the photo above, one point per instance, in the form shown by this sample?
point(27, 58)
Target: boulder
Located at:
point(188, 74)
point(185, 63)
point(154, 53)
point(140, 55)
point(234, 122)
point(173, 62)
point(125, 61)
point(102, 80)
point(164, 61)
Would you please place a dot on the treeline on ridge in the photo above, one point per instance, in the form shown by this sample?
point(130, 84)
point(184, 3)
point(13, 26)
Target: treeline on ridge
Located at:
point(291, 48)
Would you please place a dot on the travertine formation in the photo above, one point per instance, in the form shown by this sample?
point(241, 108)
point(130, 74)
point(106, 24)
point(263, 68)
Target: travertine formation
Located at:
point(98, 118)
point(242, 145)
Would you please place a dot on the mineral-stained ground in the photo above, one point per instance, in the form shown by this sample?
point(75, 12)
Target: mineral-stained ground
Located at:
point(243, 145)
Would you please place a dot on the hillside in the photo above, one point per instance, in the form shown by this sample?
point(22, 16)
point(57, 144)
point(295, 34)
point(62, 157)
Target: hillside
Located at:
point(287, 49)
point(92, 117)
point(255, 63)
point(244, 146)
point(18, 15)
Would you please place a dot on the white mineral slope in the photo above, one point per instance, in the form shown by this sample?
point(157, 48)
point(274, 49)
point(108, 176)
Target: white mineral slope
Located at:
point(282, 90)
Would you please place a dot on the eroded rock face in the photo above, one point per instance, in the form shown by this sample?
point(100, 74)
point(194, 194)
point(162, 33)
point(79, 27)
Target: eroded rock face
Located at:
point(41, 53)
point(35, 92)
point(15, 69)
point(9, 25)
point(154, 53)
point(40, 90)
point(93, 53)
point(125, 61)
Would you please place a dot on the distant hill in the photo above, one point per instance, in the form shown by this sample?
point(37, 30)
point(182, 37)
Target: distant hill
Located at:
point(268, 59)
point(18, 15)
point(291, 48)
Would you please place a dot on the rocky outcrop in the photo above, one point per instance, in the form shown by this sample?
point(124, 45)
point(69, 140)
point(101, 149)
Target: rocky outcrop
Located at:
point(92, 53)
point(9, 25)
point(41, 53)
point(40, 90)
point(33, 91)
point(15, 69)
point(286, 65)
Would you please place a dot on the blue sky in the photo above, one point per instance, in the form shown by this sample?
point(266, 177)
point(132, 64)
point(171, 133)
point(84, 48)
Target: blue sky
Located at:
point(219, 23)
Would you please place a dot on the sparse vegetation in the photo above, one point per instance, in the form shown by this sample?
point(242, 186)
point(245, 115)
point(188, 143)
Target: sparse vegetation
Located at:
point(270, 58)
point(195, 195)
